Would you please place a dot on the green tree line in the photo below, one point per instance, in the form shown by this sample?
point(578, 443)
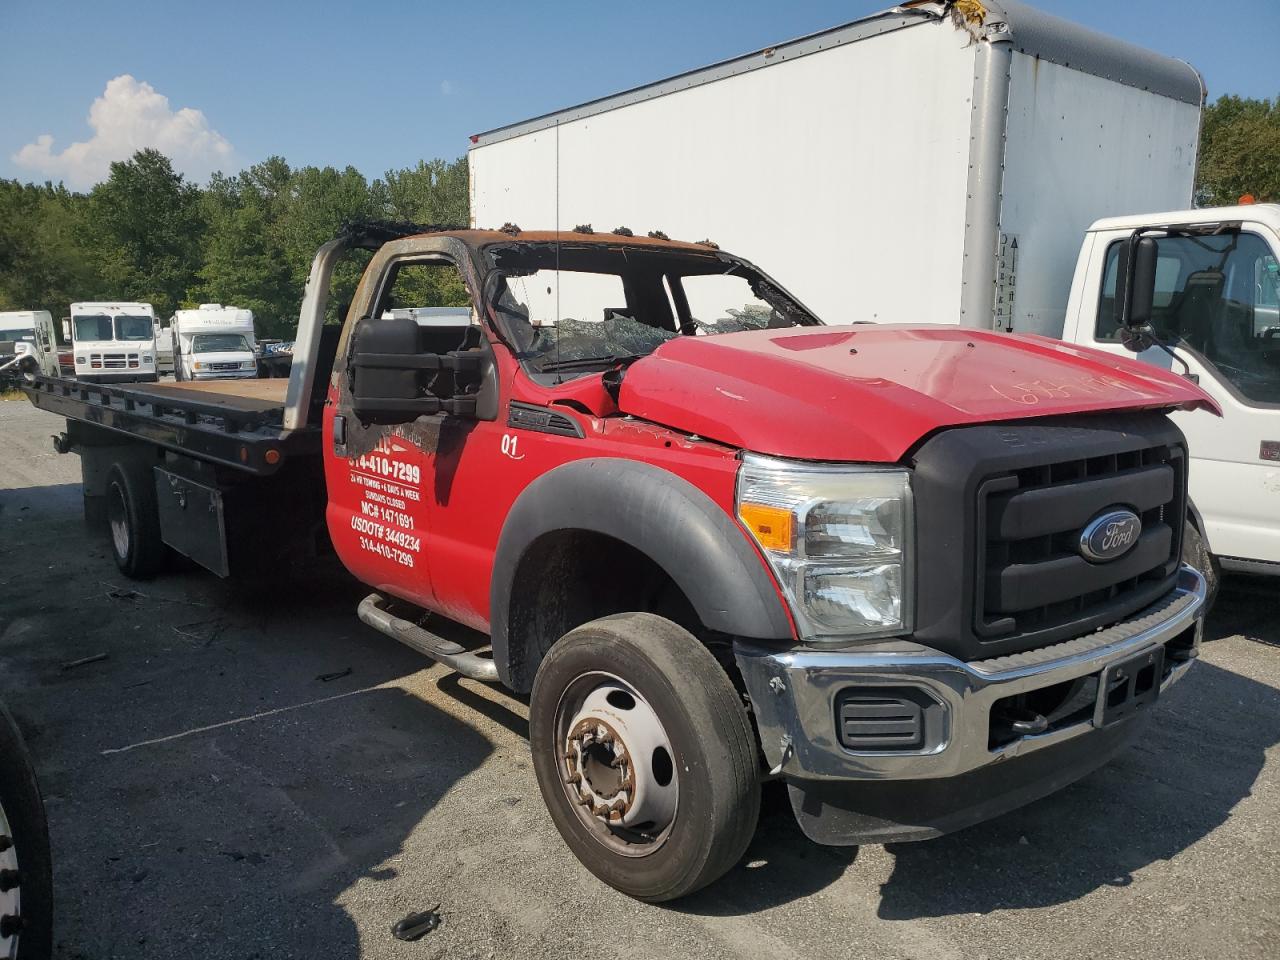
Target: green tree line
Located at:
point(146, 233)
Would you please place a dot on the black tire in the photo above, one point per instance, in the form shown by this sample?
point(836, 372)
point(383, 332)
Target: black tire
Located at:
point(715, 754)
point(133, 520)
point(24, 836)
point(1196, 552)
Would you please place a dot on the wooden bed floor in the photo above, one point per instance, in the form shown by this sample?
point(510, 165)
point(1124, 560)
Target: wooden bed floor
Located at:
point(251, 396)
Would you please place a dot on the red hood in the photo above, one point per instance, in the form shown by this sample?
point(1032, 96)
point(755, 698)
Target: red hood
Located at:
point(870, 392)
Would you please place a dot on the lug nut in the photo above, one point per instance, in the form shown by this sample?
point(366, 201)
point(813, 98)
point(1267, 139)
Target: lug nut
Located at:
point(5, 843)
point(10, 926)
point(8, 880)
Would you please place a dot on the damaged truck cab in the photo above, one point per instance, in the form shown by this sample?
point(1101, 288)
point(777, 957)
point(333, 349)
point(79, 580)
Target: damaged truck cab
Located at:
point(922, 574)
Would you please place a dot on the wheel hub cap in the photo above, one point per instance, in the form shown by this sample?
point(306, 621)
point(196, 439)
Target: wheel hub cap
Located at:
point(618, 764)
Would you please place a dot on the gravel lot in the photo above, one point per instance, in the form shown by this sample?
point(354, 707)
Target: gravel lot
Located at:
point(274, 779)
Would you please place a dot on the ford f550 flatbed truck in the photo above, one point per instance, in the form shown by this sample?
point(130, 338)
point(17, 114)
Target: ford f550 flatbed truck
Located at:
point(923, 574)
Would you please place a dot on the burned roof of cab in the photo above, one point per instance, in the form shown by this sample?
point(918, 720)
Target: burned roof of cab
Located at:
point(371, 233)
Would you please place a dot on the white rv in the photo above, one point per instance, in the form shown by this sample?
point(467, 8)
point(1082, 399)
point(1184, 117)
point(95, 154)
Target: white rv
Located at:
point(164, 348)
point(28, 345)
point(213, 343)
point(113, 342)
point(922, 165)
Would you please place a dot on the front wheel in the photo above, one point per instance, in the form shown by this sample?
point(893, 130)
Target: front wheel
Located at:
point(644, 755)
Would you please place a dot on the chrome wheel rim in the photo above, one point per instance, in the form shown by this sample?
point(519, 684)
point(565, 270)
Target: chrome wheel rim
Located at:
point(10, 899)
point(616, 764)
point(118, 519)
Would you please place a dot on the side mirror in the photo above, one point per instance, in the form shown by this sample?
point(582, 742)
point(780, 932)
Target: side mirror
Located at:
point(1137, 284)
point(393, 381)
point(66, 329)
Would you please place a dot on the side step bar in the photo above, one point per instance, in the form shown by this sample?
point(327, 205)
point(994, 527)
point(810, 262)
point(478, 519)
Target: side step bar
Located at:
point(372, 610)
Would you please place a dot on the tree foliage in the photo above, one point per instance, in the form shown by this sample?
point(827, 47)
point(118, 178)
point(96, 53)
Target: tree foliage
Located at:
point(1239, 151)
point(146, 233)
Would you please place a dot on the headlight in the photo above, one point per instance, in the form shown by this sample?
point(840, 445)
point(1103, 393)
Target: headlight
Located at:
point(146, 358)
point(837, 537)
point(197, 365)
point(79, 359)
point(247, 365)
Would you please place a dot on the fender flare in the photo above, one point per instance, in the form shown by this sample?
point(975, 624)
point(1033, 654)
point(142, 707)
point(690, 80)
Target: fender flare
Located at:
point(665, 517)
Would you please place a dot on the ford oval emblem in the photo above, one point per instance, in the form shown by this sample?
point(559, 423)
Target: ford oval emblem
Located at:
point(1110, 535)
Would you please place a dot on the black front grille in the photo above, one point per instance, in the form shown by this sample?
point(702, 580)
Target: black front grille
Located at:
point(1031, 575)
point(999, 513)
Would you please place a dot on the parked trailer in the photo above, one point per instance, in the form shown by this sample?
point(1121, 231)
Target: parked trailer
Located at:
point(921, 166)
point(712, 552)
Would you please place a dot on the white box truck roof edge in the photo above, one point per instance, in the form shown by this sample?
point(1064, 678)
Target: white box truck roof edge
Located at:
point(1029, 30)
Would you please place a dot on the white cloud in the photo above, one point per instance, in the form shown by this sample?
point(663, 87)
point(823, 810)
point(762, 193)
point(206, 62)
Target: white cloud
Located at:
point(446, 87)
point(129, 116)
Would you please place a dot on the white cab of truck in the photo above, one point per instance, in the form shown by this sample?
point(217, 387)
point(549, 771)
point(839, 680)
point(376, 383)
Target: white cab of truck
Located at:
point(28, 345)
point(214, 343)
point(1216, 303)
point(113, 342)
point(949, 164)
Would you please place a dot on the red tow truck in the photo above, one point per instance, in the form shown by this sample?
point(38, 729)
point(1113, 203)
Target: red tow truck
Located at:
point(921, 574)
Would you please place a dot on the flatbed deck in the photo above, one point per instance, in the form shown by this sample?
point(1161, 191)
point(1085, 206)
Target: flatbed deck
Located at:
point(233, 423)
point(247, 396)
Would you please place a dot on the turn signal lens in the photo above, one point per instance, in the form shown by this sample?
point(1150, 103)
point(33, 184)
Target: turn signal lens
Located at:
point(771, 526)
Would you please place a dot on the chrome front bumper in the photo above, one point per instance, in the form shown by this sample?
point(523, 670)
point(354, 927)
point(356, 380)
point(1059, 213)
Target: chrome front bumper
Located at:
point(794, 693)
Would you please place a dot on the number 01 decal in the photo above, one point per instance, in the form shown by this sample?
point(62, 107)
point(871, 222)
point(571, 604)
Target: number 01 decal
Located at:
point(509, 443)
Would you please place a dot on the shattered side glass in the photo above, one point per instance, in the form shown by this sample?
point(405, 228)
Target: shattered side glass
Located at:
point(574, 307)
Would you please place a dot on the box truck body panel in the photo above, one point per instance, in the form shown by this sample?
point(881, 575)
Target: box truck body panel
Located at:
point(1079, 147)
point(892, 119)
point(913, 149)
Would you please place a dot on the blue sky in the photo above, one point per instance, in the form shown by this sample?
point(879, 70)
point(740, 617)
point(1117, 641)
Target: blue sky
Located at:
point(380, 86)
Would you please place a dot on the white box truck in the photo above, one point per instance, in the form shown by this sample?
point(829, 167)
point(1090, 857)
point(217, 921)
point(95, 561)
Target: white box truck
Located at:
point(113, 342)
point(920, 165)
point(213, 343)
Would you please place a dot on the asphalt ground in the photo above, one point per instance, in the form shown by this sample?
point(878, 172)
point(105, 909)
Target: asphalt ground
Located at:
point(272, 779)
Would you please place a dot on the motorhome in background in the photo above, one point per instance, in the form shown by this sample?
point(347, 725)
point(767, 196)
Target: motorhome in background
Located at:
point(28, 345)
point(113, 341)
point(213, 343)
point(949, 168)
point(164, 347)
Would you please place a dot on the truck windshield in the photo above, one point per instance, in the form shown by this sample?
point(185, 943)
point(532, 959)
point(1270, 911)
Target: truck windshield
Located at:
point(130, 327)
point(18, 333)
point(93, 326)
point(584, 306)
point(1218, 296)
point(219, 343)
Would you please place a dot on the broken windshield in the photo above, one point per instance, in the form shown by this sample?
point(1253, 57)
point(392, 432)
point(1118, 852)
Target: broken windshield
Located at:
point(583, 307)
